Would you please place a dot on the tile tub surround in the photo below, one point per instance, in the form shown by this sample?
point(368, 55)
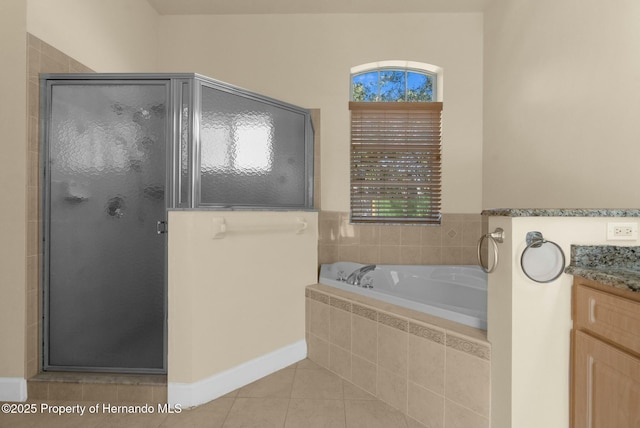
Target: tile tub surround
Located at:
point(433, 370)
point(451, 243)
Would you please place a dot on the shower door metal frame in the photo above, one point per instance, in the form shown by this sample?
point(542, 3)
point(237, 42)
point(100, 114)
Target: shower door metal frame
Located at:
point(195, 202)
point(182, 182)
point(47, 83)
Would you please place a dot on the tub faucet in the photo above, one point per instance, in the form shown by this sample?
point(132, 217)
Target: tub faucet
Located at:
point(356, 276)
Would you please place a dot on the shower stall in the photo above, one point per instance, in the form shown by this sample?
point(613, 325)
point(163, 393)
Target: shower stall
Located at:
point(119, 150)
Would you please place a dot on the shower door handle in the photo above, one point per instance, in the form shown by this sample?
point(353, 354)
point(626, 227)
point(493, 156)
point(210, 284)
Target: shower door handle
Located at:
point(161, 227)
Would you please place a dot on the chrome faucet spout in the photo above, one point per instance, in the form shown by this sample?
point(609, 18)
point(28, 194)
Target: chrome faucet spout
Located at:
point(356, 276)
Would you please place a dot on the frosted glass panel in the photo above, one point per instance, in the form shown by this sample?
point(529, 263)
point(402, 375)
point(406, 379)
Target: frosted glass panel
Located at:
point(107, 170)
point(252, 152)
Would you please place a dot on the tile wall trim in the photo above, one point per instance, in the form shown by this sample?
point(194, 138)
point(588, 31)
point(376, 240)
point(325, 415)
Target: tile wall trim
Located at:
point(393, 321)
point(340, 304)
point(469, 346)
point(365, 312)
point(320, 297)
point(428, 333)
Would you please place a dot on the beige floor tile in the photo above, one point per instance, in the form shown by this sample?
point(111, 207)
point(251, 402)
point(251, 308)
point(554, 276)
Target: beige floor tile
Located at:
point(307, 364)
point(43, 418)
point(372, 414)
point(212, 414)
point(257, 413)
point(307, 413)
point(68, 421)
point(276, 385)
point(154, 420)
point(17, 421)
point(232, 394)
point(321, 384)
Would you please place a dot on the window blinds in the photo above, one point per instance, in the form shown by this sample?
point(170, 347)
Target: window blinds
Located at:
point(395, 162)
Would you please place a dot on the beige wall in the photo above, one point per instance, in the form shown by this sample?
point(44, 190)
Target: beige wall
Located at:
point(109, 36)
point(561, 107)
point(530, 356)
point(114, 36)
point(13, 191)
point(306, 60)
point(235, 299)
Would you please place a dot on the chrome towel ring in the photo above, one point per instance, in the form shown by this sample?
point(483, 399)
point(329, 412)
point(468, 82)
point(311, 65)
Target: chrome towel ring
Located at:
point(496, 237)
point(542, 261)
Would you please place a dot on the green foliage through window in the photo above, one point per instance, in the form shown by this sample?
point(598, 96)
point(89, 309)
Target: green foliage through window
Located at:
point(393, 85)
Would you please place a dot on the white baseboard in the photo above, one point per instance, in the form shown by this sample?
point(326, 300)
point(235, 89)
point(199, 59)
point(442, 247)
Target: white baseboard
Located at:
point(202, 391)
point(13, 389)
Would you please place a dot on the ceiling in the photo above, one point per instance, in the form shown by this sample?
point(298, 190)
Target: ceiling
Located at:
point(240, 7)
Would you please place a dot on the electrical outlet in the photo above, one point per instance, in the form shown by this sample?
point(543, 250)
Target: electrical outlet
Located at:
point(622, 231)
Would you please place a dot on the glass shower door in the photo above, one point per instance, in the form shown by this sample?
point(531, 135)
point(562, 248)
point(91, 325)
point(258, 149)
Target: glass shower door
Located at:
point(105, 215)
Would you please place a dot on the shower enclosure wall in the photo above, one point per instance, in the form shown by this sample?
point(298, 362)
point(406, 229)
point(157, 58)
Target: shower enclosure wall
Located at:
point(118, 151)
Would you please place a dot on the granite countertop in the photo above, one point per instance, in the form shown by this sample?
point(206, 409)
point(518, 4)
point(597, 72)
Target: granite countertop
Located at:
point(561, 212)
point(611, 265)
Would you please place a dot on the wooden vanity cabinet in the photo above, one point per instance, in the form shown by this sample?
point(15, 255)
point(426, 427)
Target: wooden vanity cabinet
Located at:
point(605, 386)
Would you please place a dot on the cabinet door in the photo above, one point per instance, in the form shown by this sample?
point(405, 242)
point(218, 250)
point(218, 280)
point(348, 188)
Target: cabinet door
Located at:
point(606, 385)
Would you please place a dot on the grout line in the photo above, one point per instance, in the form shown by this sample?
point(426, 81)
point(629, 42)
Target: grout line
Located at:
point(226, 416)
point(286, 413)
point(444, 384)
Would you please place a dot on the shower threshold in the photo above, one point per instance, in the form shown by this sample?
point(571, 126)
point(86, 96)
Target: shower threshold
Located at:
point(113, 388)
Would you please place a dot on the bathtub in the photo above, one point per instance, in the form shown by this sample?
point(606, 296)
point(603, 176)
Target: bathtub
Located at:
point(455, 293)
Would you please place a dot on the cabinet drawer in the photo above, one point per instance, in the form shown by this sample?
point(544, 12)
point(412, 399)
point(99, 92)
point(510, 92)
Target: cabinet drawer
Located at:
point(613, 318)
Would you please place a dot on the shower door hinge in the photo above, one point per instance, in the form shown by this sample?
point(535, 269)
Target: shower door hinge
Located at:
point(161, 227)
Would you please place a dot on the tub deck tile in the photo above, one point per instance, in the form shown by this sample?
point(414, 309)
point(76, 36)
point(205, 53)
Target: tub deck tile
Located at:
point(340, 304)
point(392, 321)
point(365, 312)
point(469, 347)
point(427, 333)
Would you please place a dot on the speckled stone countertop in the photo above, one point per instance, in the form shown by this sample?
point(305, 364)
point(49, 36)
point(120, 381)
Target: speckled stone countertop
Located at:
point(561, 212)
point(618, 267)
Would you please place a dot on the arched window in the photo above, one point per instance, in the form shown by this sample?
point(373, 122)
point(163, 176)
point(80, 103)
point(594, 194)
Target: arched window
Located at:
point(396, 81)
point(396, 143)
